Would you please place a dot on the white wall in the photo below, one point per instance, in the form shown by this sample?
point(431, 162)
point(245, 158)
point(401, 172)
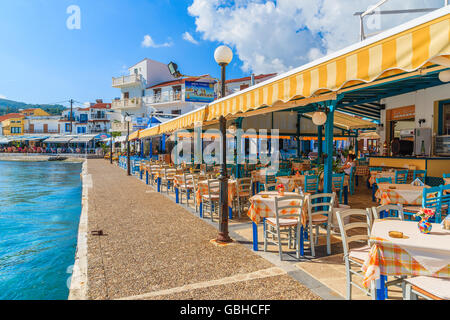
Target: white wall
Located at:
point(424, 105)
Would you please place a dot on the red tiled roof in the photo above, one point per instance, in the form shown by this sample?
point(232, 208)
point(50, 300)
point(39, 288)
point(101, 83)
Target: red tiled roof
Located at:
point(97, 106)
point(179, 81)
point(11, 115)
point(261, 76)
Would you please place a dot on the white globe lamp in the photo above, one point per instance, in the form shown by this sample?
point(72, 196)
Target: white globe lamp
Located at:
point(223, 55)
point(444, 76)
point(319, 118)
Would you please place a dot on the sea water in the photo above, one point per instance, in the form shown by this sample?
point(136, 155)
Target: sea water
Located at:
point(40, 207)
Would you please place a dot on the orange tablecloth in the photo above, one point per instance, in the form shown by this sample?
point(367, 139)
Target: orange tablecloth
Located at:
point(292, 182)
point(394, 196)
point(203, 190)
point(418, 255)
point(265, 207)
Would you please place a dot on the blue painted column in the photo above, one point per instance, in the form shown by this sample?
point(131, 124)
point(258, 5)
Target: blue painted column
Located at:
point(299, 119)
point(319, 141)
point(163, 144)
point(142, 148)
point(328, 167)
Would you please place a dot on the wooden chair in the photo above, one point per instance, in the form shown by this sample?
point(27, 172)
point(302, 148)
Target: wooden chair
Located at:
point(271, 183)
point(392, 211)
point(355, 257)
point(384, 180)
point(401, 176)
point(186, 187)
point(243, 193)
point(167, 179)
point(211, 200)
point(338, 184)
point(430, 199)
point(429, 288)
point(196, 180)
point(311, 184)
point(288, 212)
point(320, 214)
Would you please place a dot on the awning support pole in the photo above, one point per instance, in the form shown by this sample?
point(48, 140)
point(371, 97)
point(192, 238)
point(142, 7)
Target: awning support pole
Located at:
point(329, 131)
point(175, 153)
point(198, 150)
point(239, 158)
point(299, 117)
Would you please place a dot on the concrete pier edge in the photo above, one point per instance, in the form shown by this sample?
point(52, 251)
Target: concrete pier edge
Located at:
point(79, 279)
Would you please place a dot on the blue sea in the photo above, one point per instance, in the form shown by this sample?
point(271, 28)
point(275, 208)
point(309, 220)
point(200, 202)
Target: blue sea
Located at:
point(40, 207)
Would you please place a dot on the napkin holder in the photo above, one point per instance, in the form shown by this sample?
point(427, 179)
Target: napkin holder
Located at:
point(417, 183)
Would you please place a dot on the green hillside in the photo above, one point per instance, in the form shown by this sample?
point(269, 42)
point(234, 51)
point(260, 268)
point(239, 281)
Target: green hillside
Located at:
point(9, 106)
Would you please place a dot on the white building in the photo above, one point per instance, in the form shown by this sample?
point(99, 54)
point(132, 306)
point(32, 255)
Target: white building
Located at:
point(235, 85)
point(42, 124)
point(151, 95)
point(90, 120)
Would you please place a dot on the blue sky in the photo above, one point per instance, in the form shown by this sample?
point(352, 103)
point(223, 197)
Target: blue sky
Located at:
point(41, 61)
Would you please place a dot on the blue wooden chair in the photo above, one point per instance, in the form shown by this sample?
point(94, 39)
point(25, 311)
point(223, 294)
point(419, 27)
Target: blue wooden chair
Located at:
point(308, 172)
point(445, 200)
point(338, 184)
point(384, 180)
point(430, 199)
point(401, 176)
point(283, 172)
point(311, 184)
point(446, 175)
point(421, 174)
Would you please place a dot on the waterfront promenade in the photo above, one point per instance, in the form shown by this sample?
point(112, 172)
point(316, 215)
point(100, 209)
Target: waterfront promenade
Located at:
point(152, 248)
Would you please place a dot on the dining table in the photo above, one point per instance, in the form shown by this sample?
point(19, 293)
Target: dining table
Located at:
point(413, 254)
point(262, 205)
point(405, 194)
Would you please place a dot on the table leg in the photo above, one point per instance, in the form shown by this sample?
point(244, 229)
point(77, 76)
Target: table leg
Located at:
point(177, 196)
point(159, 184)
point(356, 180)
point(302, 249)
point(146, 177)
point(140, 173)
point(373, 192)
point(380, 288)
point(255, 236)
point(345, 194)
point(230, 213)
point(201, 210)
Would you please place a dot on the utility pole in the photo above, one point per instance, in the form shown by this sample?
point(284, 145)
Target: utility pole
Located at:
point(71, 115)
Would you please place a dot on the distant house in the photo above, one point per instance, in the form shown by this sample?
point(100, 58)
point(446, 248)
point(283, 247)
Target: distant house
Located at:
point(89, 120)
point(235, 85)
point(35, 112)
point(12, 124)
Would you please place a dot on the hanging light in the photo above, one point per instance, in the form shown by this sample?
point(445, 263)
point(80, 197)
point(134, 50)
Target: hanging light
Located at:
point(319, 118)
point(444, 76)
point(232, 129)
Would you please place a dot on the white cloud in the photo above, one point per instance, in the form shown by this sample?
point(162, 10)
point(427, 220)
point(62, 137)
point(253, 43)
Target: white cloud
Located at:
point(276, 37)
point(188, 37)
point(149, 43)
point(2, 96)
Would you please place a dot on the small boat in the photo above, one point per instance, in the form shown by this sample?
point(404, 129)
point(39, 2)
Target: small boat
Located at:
point(57, 158)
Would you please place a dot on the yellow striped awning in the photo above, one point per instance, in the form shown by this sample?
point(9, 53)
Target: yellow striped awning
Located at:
point(150, 132)
point(348, 122)
point(402, 49)
point(134, 135)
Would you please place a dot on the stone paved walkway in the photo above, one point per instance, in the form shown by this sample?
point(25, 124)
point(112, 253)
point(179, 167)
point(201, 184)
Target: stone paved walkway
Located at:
point(153, 248)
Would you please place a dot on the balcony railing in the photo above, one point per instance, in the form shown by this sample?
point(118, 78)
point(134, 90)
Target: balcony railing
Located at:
point(170, 96)
point(42, 131)
point(119, 126)
point(127, 103)
point(131, 80)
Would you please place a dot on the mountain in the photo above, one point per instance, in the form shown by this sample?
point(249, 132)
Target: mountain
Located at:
point(9, 106)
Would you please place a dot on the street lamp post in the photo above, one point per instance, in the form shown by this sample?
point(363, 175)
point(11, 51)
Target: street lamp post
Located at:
point(111, 147)
point(128, 119)
point(223, 56)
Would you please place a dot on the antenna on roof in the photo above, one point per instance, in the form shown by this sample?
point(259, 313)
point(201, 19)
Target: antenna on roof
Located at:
point(371, 11)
